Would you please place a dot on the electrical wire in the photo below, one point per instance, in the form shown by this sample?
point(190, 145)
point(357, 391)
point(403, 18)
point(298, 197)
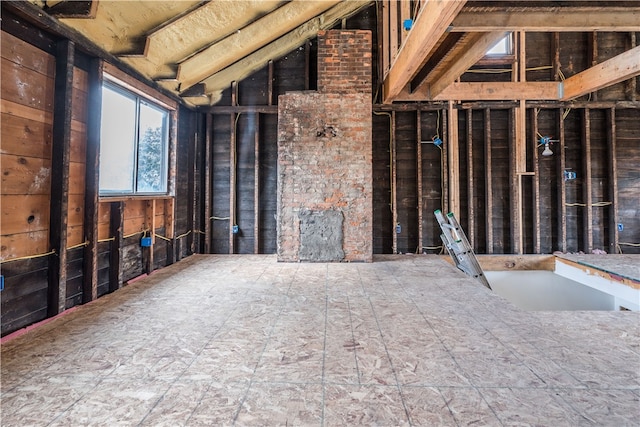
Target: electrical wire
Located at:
point(595, 204)
point(184, 235)
point(28, 257)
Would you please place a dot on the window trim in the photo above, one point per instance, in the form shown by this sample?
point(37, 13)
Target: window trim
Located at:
point(140, 98)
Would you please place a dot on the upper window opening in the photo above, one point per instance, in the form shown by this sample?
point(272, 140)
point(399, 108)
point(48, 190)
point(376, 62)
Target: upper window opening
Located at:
point(502, 47)
point(133, 144)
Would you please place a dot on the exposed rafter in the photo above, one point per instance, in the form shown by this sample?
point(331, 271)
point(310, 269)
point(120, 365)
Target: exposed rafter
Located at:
point(219, 81)
point(474, 50)
point(612, 71)
point(74, 9)
point(249, 39)
point(548, 19)
point(431, 23)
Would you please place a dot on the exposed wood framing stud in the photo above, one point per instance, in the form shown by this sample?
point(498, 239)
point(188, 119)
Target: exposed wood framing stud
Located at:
point(116, 227)
point(454, 160)
point(613, 180)
point(514, 183)
point(232, 182)
point(394, 182)
point(586, 187)
point(92, 185)
point(307, 63)
point(207, 182)
point(169, 226)
point(383, 6)
point(65, 54)
point(256, 186)
point(562, 188)
point(444, 162)
point(487, 181)
point(555, 49)
point(593, 54)
point(536, 182)
point(270, 83)
point(150, 224)
point(419, 180)
point(195, 239)
point(471, 204)
point(632, 84)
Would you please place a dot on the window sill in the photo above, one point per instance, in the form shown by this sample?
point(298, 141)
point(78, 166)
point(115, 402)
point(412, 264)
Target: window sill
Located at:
point(124, 198)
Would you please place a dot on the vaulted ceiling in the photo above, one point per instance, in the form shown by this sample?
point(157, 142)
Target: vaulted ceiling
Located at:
point(195, 49)
point(200, 47)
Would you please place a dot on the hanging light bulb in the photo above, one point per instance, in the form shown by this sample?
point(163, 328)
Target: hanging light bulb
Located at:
point(547, 151)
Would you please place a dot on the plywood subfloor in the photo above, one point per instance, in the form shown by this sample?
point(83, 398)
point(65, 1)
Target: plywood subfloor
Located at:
point(223, 340)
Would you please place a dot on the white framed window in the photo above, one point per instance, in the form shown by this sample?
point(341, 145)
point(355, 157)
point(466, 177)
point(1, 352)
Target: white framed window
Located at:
point(134, 144)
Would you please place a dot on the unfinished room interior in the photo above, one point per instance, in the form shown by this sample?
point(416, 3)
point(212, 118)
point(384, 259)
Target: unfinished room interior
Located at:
point(297, 212)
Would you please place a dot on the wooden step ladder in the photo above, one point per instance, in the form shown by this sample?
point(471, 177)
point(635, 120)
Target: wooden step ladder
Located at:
point(458, 246)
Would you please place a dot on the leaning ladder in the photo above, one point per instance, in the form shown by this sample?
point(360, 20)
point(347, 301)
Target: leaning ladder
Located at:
point(459, 247)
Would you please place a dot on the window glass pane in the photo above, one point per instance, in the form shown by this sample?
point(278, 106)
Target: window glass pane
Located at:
point(152, 153)
point(503, 47)
point(117, 141)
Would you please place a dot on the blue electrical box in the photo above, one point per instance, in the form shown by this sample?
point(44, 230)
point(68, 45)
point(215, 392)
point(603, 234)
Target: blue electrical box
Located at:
point(437, 142)
point(145, 242)
point(1, 283)
point(407, 24)
point(398, 229)
point(235, 229)
point(620, 227)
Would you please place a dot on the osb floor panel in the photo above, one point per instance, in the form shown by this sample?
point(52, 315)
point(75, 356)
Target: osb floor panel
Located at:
point(245, 340)
point(625, 265)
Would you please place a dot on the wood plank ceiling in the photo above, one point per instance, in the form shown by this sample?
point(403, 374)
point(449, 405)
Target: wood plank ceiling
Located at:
point(195, 49)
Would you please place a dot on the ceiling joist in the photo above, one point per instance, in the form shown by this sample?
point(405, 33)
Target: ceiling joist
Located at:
point(607, 73)
point(548, 19)
point(431, 23)
point(485, 91)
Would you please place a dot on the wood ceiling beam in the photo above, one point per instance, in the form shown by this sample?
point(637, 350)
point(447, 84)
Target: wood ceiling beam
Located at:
point(431, 23)
point(485, 91)
point(249, 39)
point(473, 52)
point(73, 9)
point(612, 71)
point(285, 44)
point(549, 20)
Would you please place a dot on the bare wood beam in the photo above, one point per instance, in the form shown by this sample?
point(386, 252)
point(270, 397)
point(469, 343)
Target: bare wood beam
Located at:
point(73, 9)
point(490, 91)
point(150, 220)
point(471, 204)
point(488, 206)
point(419, 180)
point(563, 20)
point(587, 194)
point(394, 183)
point(454, 160)
point(612, 169)
point(473, 52)
point(612, 71)
point(60, 156)
point(116, 227)
point(256, 185)
point(562, 187)
point(432, 21)
point(232, 182)
point(536, 182)
point(208, 166)
point(92, 186)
